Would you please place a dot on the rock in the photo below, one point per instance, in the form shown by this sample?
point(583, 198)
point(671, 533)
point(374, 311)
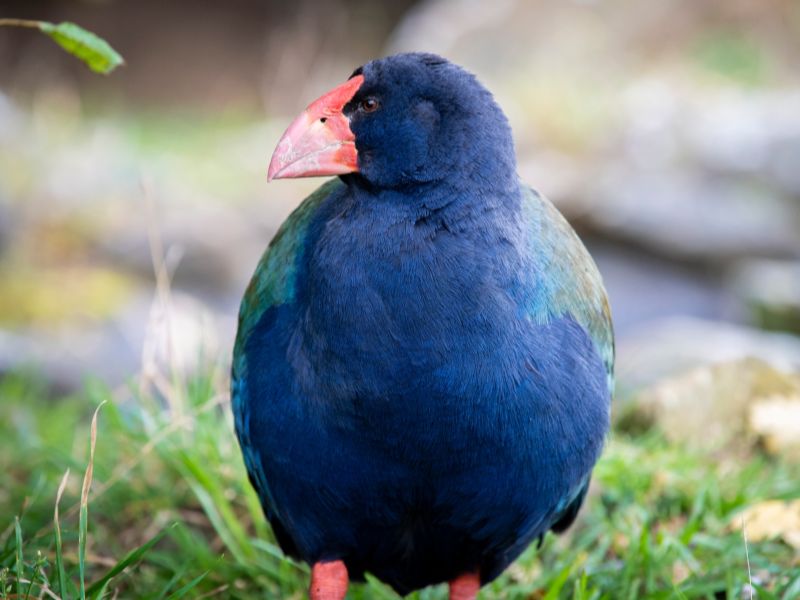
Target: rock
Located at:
point(682, 189)
point(65, 358)
point(147, 335)
point(776, 421)
point(688, 214)
point(642, 155)
point(666, 347)
point(768, 520)
point(743, 404)
point(644, 288)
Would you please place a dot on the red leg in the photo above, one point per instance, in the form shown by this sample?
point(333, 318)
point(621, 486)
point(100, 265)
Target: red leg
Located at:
point(328, 581)
point(465, 587)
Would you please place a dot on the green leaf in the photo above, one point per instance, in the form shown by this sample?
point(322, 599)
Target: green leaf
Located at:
point(98, 55)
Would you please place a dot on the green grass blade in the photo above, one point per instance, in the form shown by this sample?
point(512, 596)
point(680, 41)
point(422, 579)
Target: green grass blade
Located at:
point(180, 593)
point(191, 542)
point(273, 551)
point(377, 589)
point(793, 589)
point(62, 576)
point(558, 583)
point(19, 566)
point(132, 557)
point(178, 576)
point(210, 507)
point(83, 521)
point(82, 531)
point(276, 565)
point(256, 512)
point(211, 496)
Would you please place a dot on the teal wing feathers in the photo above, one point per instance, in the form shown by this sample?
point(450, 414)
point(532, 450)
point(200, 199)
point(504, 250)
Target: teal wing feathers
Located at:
point(566, 281)
point(272, 284)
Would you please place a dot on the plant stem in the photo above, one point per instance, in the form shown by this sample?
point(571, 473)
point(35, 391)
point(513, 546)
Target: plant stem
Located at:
point(21, 23)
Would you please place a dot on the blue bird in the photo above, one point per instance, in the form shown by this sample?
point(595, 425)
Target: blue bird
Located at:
point(423, 369)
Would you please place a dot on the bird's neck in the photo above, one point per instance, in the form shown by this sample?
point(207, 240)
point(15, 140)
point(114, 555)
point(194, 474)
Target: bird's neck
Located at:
point(474, 201)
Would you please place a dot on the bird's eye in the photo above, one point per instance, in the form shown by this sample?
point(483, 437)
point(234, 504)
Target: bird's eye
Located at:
point(369, 105)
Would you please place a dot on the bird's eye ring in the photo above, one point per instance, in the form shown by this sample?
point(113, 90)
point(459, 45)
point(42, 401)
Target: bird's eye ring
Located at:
point(369, 105)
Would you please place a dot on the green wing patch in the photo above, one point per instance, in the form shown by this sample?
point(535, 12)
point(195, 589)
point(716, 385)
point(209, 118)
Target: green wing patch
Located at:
point(273, 282)
point(568, 281)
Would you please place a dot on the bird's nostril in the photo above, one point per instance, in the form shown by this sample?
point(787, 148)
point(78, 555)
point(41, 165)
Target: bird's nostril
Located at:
point(323, 119)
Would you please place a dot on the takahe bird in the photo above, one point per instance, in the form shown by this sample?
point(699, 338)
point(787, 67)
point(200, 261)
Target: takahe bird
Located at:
point(422, 373)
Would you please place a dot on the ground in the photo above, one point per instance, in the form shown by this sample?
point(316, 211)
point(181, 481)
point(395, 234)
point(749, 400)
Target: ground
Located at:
point(170, 513)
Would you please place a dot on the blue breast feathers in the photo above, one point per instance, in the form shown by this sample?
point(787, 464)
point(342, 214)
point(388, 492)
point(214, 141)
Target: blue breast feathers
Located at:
point(424, 400)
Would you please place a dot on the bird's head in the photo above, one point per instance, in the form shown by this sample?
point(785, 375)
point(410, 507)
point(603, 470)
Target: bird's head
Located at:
point(400, 121)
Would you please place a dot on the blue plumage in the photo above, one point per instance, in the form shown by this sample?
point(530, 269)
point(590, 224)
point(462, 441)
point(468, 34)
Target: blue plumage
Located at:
point(421, 377)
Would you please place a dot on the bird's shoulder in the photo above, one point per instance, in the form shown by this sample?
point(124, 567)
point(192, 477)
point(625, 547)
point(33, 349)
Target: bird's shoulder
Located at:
point(274, 281)
point(565, 280)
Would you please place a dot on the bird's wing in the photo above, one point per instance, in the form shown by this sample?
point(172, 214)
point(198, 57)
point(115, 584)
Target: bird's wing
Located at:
point(566, 280)
point(566, 283)
point(273, 284)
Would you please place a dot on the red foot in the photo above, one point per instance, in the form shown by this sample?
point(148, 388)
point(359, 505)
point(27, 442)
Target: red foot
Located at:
point(465, 587)
point(328, 581)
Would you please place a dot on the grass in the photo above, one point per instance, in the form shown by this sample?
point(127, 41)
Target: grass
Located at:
point(164, 510)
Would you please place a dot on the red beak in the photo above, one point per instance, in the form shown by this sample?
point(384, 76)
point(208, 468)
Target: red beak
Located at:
point(319, 141)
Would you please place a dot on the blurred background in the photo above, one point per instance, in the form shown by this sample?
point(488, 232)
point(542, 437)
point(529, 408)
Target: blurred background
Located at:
point(668, 133)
